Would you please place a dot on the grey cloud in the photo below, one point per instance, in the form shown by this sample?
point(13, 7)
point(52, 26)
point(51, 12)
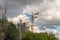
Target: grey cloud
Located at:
point(42, 22)
point(13, 13)
point(30, 1)
point(17, 4)
point(46, 22)
point(14, 5)
point(20, 3)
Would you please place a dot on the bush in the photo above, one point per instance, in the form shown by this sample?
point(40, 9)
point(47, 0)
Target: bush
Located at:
point(38, 36)
point(13, 33)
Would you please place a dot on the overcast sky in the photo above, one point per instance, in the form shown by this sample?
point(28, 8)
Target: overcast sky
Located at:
point(49, 10)
point(15, 6)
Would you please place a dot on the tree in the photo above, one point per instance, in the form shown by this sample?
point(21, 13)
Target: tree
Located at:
point(4, 27)
point(52, 37)
point(28, 36)
point(13, 33)
point(0, 29)
point(9, 31)
point(4, 24)
point(39, 36)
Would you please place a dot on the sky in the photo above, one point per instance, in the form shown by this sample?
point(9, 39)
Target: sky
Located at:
point(49, 10)
point(16, 6)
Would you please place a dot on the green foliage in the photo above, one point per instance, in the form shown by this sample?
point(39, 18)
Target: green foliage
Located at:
point(52, 37)
point(0, 22)
point(4, 25)
point(12, 33)
point(38, 36)
point(28, 36)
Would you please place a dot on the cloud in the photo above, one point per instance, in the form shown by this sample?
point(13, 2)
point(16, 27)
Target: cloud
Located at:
point(49, 12)
point(16, 5)
point(51, 15)
point(17, 19)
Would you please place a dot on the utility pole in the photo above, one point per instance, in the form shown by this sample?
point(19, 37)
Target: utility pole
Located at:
point(57, 36)
point(32, 21)
point(19, 27)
